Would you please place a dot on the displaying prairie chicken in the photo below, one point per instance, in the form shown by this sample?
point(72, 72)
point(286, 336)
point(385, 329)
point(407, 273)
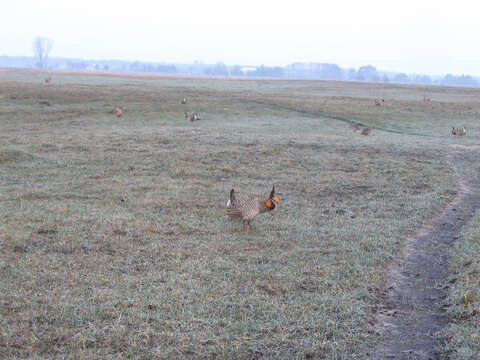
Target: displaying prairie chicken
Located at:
point(191, 117)
point(459, 131)
point(183, 101)
point(249, 208)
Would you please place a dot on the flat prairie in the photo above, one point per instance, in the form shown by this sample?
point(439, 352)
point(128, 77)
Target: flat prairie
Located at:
point(114, 239)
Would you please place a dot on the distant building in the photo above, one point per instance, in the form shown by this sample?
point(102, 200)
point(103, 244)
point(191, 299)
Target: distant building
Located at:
point(248, 69)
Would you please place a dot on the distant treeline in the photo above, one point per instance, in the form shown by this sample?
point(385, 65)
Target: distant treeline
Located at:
point(321, 71)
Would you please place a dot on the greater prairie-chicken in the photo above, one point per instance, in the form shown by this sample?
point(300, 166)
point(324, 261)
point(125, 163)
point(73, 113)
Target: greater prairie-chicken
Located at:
point(183, 101)
point(191, 117)
point(367, 131)
point(249, 208)
point(459, 131)
point(117, 111)
point(354, 127)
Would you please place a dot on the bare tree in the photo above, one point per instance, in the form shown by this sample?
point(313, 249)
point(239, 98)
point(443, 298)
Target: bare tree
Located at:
point(41, 48)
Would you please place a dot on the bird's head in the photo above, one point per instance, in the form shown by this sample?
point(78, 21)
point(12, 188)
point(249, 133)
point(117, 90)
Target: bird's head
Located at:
point(272, 200)
point(270, 204)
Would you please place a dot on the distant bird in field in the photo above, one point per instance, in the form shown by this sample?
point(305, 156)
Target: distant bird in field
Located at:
point(367, 131)
point(191, 117)
point(48, 80)
point(117, 111)
point(249, 208)
point(354, 127)
point(459, 131)
point(184, 101)
point(379, 102)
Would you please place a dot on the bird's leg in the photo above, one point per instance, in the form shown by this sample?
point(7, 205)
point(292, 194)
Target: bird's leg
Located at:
point(243, 225)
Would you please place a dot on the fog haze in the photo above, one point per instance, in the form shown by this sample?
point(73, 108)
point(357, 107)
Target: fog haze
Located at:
point(429, 37)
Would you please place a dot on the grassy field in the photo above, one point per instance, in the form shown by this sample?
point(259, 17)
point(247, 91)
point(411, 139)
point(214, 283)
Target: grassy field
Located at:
point(114, 242)
point(463, 334)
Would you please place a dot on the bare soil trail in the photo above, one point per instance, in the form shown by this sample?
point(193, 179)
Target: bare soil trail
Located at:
point(413, 312)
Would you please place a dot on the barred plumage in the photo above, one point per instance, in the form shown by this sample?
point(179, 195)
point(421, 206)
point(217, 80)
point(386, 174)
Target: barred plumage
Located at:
point(250, 207)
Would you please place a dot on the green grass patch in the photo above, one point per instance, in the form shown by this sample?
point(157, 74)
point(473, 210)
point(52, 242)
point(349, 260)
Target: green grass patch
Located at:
point(463, 334)
point(114, 238)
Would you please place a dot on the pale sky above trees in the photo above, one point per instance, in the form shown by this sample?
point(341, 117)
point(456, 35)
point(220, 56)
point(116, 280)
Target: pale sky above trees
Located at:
point(431, 37)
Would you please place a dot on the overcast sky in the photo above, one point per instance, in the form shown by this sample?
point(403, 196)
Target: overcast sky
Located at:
point(431, 37)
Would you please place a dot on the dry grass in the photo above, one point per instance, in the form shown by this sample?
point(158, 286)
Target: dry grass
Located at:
point(114, 239)
point(463, 334)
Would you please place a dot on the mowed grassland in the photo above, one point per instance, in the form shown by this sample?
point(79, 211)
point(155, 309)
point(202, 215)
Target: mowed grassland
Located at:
point(114, 241)
point(463, 333)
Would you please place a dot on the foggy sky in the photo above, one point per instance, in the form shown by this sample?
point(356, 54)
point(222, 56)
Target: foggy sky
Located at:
point(430, 37)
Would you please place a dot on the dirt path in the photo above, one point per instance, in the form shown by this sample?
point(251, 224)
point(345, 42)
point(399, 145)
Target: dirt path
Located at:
point(412, 314)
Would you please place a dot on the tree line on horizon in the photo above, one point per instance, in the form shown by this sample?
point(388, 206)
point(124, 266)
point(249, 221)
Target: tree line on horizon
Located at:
point(320, 71)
